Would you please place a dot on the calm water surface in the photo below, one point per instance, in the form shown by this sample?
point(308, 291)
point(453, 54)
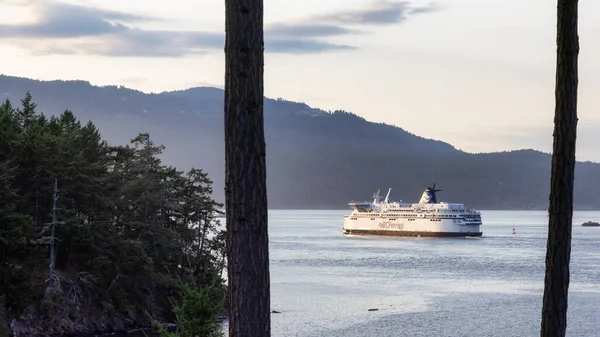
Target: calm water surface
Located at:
point(323, 282)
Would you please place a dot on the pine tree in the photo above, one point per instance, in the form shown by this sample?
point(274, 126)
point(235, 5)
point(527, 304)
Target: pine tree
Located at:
point(245, 171)
point(122, 235)
point(558, 255)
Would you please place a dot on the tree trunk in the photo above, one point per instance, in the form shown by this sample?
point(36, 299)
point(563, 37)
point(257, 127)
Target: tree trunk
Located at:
point(558, 254)
point(52, 238)
point(245, 171)
point(202, 228)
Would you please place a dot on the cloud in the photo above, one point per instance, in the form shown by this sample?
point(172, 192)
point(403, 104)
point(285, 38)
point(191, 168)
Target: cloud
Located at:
point(61, 20)
point(156, 43)
point(136, 42)
point(381, 13)
point(73, 29)
point(303, 46)
point(308, 30)
point(134, 80)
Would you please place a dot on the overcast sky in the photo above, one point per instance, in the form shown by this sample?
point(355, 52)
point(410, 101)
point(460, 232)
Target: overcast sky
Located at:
point(478, 74)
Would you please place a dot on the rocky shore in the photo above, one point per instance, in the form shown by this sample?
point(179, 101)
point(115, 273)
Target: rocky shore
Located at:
point(71, 319)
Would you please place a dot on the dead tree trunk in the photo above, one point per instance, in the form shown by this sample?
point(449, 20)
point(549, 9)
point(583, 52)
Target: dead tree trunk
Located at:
point(245, 171)
point(52, 238)
point(558, 254)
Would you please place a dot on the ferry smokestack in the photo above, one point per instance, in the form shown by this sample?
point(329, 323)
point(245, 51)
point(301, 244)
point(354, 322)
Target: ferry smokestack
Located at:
point(429, 196)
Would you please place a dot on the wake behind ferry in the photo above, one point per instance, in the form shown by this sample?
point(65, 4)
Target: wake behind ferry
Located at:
point(427, 218)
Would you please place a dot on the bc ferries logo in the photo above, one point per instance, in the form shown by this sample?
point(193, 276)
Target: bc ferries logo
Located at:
point(390, 225)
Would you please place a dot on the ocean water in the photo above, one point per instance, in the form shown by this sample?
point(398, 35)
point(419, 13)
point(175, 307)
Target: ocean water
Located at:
point(324, 283)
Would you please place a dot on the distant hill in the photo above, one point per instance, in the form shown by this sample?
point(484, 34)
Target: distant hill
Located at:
point(316, 159)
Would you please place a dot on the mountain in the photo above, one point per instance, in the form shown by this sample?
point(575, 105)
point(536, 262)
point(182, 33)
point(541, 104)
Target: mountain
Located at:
point(316, 159)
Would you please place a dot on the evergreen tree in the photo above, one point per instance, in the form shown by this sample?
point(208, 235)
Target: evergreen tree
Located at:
point(126, 233)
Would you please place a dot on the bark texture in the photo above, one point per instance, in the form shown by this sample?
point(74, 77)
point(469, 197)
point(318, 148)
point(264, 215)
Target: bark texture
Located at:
point(558, 254)
point(245, 171)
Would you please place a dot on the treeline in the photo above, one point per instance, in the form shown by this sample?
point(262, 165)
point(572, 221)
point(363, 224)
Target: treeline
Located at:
point(96, 237)
point(315, 159)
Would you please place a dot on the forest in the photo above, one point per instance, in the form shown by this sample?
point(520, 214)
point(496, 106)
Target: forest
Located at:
point(315, 159)
point(96, 237)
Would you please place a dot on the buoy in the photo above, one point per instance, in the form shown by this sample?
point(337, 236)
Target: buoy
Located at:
point(514, 231)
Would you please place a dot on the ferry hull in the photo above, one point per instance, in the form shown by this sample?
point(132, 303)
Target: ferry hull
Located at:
point(423, 227)
point(412, 233)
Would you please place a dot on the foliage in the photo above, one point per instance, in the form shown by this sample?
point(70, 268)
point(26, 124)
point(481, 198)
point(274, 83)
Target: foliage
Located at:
point(128, 227)
point(197, 312)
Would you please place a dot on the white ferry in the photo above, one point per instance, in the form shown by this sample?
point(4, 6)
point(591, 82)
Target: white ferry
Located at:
point(428, 218)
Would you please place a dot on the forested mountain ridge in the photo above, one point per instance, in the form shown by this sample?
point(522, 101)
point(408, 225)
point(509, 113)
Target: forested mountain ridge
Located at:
point(316, 159)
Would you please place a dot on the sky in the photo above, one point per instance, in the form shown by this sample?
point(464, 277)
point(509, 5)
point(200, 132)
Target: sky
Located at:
point(477, 74)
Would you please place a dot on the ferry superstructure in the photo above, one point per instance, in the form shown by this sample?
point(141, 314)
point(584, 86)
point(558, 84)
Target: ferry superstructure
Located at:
point(427, 218)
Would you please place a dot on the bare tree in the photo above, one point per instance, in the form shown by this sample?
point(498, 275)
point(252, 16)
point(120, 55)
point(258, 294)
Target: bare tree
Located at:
point(245, 171)
point(52, 237)
point(558, 254)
